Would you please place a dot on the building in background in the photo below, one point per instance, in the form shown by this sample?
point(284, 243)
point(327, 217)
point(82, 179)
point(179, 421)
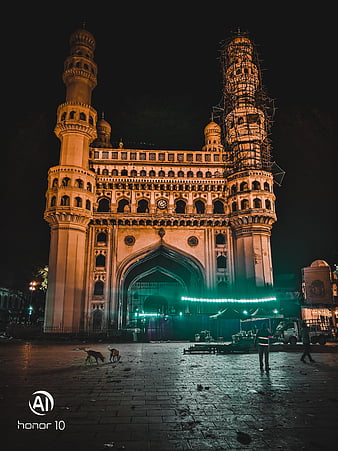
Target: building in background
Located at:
point(134, 230)
point(319, 286)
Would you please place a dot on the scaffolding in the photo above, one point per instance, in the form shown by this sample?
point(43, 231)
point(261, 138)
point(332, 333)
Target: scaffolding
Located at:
point(245, 111)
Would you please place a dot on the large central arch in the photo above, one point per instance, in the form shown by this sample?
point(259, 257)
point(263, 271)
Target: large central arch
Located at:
point(161, 271)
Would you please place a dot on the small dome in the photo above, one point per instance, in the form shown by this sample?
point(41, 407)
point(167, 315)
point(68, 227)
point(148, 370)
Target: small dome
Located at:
point(317, 263)
point(103, 125)
point(83, 37)
point(212, 127)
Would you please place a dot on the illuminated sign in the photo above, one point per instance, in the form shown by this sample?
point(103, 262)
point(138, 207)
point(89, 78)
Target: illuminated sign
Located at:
point(229, 300)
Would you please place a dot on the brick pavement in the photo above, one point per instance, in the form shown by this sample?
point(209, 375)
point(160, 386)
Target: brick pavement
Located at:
point(156, 398)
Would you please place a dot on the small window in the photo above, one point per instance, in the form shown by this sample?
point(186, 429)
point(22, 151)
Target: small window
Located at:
point(101, 237)
point(189, 157)
point(257, 203)
point(89, 186)
point(142, 206)
point(65, 201)
point(207, 157)
point(180, 206)
point(267, 204)
point(105, 155)
point(161, 156)
point(234, 189)
point(100, 261)
point(171, 174)
point(124, 172)
point(221, 262)
point(256, 185)
point(198, 157)
point(88, 204)
point(244, 204)
point(200, 207)
point(79, 183)
point(152, 156)
point(152, 173)
point(220, 238)
point(114, 155)
point(180, 157)
point(171, 157)
point(143, 173)
point(218, 207)
point(124, 155)
point(78, 202)
point(190, 174)
point(65, 181)
point(98, 288)
point(132, 155)
point(55, 183)
point(266, 186)
point(180, 174)
point(122, 206)
point(208, 174)
point(53, 201)
point(243, 186)
point(133, 173)
point(104, 205)
point(234, 206)
point(199, 174)
point(83, 117)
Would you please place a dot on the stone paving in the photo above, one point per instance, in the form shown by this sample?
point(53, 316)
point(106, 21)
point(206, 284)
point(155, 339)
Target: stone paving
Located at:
point(156, 398)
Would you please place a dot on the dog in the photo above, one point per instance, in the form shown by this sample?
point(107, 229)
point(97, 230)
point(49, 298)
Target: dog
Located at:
point(114, 355)
point(97, 355)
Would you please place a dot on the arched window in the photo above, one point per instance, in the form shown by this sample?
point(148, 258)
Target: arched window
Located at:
point(114, 172)
point(72, 115)
point(218, 207)
point(63, 116)
point(256, 185)
point(221, 262)
point(234, 189)
point(180, 174)
point(124, 172)
point(65, 181)
point(143, 206)
point(234, 206)
point(104, 205)
point(55, 183)
point(83, 117)
point(105, 172)
point(199, 174)
point(65, 201)
point(267, 204)
point(161, 174)
point(98, 288)
point(208, 174)
point(243, 186)
point(78, 202)
point(190, 174)
point(240, 120)
point(53, 201)
point(133, 173)
point(143, 173)
point(220, 238)
point(89, 186)
point(101, 237)
point(171, 174)
point(200, 207)
point(91, 120)
point(121, 206)
point(88, 205)
point(244, 204)
point(180, 206)
point(100, 261)
point(266, 186)
point(79, 183)
point(257, 203)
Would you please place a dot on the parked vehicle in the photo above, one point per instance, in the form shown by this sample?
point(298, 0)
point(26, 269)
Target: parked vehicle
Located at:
point(289, 331)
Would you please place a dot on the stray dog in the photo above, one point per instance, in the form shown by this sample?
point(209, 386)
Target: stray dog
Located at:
point(95, 354)
point(114, 355)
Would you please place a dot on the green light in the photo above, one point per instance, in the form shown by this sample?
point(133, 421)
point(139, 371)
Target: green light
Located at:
point(275, 311)
point(148, 315)
point(245, 312)
point(226, 300)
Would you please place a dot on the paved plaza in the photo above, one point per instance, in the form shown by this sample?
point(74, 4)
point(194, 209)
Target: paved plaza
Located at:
point(157, 398)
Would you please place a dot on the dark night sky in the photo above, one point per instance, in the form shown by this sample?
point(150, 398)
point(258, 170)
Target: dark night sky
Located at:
point(159, 76)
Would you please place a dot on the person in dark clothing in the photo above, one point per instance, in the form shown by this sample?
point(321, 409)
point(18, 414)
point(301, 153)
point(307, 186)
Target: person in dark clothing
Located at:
point(262, 338)
point(306, 343)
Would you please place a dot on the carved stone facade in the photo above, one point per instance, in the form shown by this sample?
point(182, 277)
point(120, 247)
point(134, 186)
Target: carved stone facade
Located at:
point(133, 230)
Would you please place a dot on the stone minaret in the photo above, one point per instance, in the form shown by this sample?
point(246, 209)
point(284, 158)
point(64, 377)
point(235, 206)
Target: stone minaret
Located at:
point(250, 181)
point(71, 189)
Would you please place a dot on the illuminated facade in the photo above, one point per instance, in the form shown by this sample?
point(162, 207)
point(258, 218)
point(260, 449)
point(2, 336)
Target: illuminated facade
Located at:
point(133, 230)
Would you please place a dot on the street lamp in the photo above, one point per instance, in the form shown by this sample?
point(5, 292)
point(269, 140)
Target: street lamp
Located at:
point(32, 287)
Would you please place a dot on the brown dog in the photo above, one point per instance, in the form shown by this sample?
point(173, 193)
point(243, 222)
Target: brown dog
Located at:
point(114, 355)
point(97, 355)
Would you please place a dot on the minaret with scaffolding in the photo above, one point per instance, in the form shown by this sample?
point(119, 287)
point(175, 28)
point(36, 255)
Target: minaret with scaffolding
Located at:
point(246, 123)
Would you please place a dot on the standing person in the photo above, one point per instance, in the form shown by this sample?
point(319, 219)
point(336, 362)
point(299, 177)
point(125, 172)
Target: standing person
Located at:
point(262, 338)
point(306, 343)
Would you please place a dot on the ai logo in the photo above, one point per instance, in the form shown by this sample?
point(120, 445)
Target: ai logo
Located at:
point(42, 403)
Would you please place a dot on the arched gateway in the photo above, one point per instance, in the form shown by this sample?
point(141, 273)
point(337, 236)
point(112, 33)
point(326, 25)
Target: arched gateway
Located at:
point(152, 282)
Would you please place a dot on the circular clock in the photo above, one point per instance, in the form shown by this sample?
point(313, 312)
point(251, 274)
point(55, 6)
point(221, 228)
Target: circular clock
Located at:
point(162, 204)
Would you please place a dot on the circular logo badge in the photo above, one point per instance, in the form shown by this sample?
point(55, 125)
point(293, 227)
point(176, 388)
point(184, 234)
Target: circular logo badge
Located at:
point(42, 403)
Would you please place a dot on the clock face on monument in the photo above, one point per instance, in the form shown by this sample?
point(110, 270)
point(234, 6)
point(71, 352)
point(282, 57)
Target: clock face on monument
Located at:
point(161, 204)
